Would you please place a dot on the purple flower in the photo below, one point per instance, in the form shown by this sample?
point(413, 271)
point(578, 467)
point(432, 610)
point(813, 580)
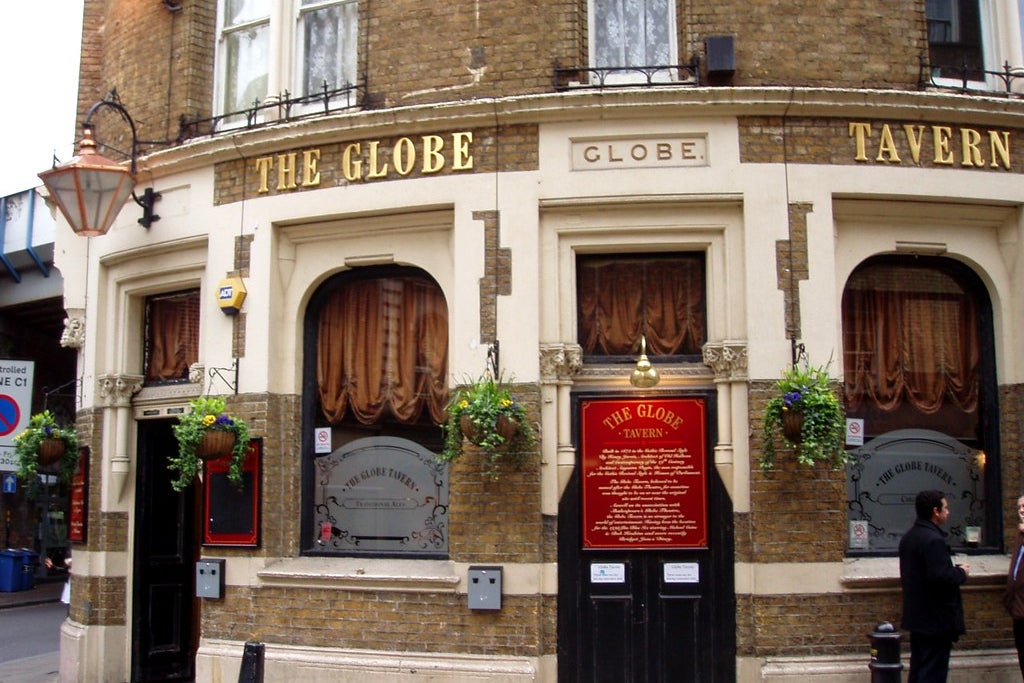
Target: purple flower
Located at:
point(224, 421)
point(48, 430)
point(792, 398)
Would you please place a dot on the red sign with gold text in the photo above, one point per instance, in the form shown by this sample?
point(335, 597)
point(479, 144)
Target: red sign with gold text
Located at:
point(644, 484)
point(79, 499)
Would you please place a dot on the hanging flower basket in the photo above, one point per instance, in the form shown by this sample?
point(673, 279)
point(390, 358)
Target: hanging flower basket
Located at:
point(504, 426)
point(44, 443)
point(51, 450)
point(792, 424)
point(215, 444)
point(487, 415)
point(807, 413)
point(207, 433)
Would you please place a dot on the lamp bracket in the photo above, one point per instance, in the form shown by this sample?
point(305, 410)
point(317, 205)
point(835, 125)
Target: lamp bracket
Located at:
point(56, 391)
point(798, 351)
point(149, 196)
point(217, 372)
point(493, 363)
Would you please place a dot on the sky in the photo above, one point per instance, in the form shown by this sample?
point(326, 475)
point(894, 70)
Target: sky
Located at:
point(40, 43)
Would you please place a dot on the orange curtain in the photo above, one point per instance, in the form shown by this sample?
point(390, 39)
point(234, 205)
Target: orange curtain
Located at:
point(173, 336)
point(620, 299)
point(382, 348)
point(909, 338)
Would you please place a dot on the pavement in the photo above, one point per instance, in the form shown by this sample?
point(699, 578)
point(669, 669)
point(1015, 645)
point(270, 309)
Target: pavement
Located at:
point(44, 590)
point(43, 668)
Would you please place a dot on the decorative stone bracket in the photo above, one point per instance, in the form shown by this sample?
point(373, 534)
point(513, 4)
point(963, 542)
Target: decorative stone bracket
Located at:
point(116, 392)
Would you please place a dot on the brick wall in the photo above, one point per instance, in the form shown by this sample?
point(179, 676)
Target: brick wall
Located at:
point(378, 620)
point(858, 44)
point(835, 624)
point(162, 62)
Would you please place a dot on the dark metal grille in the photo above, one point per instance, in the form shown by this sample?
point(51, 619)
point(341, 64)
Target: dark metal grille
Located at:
point(643, 76)
point(1009, 77)
point(275, 110)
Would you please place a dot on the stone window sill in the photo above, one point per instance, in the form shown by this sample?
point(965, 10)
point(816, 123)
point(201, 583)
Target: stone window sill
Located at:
point(365, 574)
point(883, 573)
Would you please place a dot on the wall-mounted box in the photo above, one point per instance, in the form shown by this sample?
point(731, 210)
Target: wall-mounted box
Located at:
point(720, 55)
point(485, 587)
point(210, 579)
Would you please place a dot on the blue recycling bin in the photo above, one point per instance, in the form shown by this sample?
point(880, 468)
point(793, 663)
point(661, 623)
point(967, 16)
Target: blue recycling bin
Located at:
point(17, 570)
point(10, 571)
point(29, 565)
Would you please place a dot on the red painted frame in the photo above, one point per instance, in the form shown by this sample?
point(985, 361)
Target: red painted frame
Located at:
point(249, 537)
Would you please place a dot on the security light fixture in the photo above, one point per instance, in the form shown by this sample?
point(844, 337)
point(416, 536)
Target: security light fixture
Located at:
point(90, 189)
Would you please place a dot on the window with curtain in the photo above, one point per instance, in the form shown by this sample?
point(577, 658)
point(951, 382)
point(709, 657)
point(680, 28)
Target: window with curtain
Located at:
point(244, 53)
point(377, 378)
point(327, 44)
point(919, 370)
point(626, 33)
point(171, 336)
point(659, 296)
point(320, 40)
point(911, 349)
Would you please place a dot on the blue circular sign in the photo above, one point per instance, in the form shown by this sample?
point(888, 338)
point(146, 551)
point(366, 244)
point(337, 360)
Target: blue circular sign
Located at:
point(10, 414)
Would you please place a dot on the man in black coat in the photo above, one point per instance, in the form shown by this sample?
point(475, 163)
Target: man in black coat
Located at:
point(932, 609)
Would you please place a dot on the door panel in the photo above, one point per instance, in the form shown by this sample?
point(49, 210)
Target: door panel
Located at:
point(164, 564)
point(653, 615)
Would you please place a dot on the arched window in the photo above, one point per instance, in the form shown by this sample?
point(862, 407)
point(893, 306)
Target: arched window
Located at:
point(919, 371)
point(376, 378)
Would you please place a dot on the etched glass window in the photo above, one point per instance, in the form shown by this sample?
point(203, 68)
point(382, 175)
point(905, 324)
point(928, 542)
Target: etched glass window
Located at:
point(377, 387)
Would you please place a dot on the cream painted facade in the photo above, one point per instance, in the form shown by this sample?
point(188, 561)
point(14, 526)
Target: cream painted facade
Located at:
point(733, 212)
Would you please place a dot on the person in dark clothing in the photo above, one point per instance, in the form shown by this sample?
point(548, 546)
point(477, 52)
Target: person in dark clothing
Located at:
point(1014, 596)
point(933, 611)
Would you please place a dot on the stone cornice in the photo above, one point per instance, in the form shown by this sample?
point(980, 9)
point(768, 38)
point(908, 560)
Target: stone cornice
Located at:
point(591, 104)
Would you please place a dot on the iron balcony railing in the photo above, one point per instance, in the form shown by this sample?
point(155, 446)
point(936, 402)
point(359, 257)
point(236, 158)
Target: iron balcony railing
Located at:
point(627, 76)
point(1010, 78)
point(274, 110)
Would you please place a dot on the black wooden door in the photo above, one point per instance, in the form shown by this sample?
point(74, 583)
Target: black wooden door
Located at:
point(164, 564)
point(645, 616)
point(651, 615)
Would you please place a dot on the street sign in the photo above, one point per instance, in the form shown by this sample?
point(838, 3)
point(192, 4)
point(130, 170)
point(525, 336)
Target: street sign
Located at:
point(16, 378)
point(10, 482)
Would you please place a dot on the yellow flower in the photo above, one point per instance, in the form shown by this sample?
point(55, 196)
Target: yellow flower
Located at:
point(463, 404)
point(209, 420)
point(506, 402)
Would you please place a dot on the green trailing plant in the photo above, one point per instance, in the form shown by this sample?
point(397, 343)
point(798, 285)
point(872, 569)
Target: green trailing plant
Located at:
point(806, 391)
point(208, 413)
point(487, 414)
point(42, 427)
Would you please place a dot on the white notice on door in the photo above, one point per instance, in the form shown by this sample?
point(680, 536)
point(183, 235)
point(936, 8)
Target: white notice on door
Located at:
point(608, 572)
point(682, 572)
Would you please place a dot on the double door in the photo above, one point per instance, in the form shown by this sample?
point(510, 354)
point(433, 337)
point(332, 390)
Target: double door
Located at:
point(639, 613)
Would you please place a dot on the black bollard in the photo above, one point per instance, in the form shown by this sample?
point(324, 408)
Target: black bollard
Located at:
point(885, 665)
point(252, 663)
